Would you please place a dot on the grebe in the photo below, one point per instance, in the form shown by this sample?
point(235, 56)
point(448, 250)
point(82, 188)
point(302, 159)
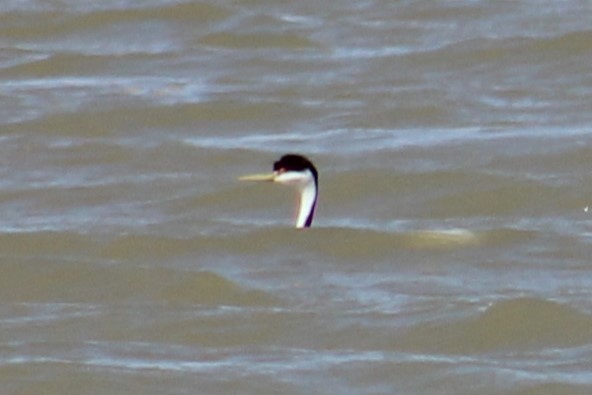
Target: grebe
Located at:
point(298, 171)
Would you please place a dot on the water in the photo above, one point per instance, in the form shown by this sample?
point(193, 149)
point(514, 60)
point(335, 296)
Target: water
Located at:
point(451, 248)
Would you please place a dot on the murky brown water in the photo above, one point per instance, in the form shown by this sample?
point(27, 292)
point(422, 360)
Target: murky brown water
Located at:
point(451, 248)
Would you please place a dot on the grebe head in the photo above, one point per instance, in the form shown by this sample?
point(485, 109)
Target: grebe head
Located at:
point(297, 171)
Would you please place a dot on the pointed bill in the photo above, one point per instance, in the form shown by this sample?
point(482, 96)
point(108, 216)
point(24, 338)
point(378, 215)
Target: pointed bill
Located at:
point(258, 177)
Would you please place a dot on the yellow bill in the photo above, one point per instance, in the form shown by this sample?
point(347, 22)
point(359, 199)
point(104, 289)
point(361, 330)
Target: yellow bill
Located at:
point(258, 177)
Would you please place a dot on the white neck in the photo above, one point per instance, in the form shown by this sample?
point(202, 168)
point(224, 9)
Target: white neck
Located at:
point(306, 184)
point(308, 199)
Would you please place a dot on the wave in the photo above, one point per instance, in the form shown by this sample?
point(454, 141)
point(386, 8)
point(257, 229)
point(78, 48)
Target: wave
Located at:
point(511, 325)
point(79, 280)
point(44, 22)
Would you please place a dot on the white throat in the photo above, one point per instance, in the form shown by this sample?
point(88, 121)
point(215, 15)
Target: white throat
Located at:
point(308, 200)
point(306, 184)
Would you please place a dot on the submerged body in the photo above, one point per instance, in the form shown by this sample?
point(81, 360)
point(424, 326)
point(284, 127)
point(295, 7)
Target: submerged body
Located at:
point(297, 171)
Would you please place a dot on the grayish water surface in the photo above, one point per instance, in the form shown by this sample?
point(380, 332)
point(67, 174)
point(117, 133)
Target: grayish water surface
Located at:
point(451, 249)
